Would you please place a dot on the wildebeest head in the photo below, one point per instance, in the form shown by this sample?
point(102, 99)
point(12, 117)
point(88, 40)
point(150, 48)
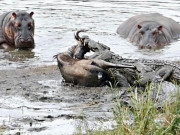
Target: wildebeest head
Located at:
point(82, 48)
point(150, 36)
point(20, 30)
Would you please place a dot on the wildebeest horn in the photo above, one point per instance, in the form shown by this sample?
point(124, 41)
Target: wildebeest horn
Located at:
point(77, 37)
point(55, 56)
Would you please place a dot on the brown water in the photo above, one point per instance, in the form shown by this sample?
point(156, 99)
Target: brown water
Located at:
point(56, 22)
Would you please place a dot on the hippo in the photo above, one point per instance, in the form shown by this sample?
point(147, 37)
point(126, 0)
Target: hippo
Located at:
point(78, 70)
point(17, 30)
point(150, 30)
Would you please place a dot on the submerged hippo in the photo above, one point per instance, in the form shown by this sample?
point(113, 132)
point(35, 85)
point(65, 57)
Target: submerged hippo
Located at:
point(17, 30)
point(76, 69)
point(149, 30)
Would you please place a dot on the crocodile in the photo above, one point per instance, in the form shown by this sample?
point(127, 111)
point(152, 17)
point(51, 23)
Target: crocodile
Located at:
point(160, 74)
point(135, 72)
point(166, 70)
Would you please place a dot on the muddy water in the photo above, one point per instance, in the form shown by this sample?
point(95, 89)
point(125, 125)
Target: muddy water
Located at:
point(57, 20)
point(50, 107)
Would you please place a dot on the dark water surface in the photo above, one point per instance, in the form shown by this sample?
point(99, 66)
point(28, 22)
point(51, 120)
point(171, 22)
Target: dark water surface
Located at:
point(57, 20)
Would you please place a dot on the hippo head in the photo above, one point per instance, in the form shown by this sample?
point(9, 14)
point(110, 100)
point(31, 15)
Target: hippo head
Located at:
point(82, 47)
point(150, 36)
point(20, 30)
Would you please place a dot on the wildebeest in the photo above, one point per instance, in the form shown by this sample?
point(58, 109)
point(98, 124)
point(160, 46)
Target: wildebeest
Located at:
point(76, 69)
point(150, 30)
point(17, 30)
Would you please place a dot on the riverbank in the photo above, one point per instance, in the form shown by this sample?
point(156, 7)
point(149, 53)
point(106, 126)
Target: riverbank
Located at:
point(143, 118)
point(33, 101)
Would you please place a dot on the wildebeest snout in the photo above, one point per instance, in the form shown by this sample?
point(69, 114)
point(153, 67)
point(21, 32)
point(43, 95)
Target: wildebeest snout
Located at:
point(82, 45)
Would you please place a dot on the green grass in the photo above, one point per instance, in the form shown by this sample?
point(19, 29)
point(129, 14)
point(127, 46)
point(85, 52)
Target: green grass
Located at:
point(1, 130)
point(147, 119)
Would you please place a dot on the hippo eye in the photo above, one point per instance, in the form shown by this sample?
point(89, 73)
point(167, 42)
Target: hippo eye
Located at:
point(29, 27)
point(19, 26)
point(155, 33)
point(141, 32)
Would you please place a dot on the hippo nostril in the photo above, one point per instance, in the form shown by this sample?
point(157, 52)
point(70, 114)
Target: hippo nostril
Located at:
point(149, 46)
point(29, 40)
point(22, 40)
point(141, 46)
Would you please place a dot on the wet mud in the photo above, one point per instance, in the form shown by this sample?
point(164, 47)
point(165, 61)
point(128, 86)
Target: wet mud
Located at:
point(35, 101)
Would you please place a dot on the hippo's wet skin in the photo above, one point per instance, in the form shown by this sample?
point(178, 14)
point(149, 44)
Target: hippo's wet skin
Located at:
point(150, 30)
point(17, 30)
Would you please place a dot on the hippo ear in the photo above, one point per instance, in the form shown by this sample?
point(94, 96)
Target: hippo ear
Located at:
point(160, 27)
point(139, 26)
point(13, 16)
point(31, 14)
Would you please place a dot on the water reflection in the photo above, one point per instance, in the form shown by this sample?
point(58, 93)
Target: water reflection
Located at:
point(19, 55)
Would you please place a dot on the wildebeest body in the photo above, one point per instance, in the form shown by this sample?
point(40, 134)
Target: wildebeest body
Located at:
point(76, 69)
point(81, 72)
